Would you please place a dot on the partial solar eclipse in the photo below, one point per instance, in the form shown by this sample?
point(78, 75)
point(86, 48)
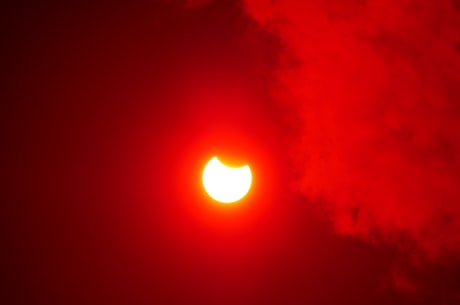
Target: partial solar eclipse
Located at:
point(226, 184)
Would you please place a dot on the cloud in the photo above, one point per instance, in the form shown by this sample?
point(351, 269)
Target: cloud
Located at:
point(375, 85)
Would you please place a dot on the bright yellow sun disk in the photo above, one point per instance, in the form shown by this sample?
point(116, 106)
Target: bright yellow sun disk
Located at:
point(226, 184)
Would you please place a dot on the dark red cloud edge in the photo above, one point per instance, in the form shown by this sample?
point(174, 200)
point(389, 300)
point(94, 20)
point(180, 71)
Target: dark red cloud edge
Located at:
point(347, 112)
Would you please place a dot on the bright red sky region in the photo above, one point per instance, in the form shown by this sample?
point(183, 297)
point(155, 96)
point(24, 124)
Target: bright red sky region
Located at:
point(376, 88)
point(346, 111)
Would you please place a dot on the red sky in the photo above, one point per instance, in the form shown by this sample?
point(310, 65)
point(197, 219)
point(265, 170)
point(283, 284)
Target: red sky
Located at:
point(346, 111)
point(375, 86)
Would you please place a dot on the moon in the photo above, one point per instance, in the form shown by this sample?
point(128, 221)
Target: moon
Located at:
point(226, 184)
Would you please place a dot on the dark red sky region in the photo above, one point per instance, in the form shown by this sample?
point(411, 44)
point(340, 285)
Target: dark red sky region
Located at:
point(348, 113)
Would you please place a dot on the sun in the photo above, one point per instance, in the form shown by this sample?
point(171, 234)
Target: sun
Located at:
point(226, 184)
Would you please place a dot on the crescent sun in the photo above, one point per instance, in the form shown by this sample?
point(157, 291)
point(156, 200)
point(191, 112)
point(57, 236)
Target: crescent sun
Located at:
point(226, 184)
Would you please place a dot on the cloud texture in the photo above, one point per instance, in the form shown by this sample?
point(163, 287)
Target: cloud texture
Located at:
point(374, 89)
